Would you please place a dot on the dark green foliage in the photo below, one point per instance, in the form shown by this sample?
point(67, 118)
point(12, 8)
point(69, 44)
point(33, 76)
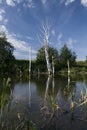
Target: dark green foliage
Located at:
point(22, 65)
point(66, 54)
point(41, 59)
point(60, 62)
point(81, 66)
point(6, 55)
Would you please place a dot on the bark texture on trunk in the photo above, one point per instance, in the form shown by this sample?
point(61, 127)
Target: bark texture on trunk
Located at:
point(47, 60)
point(68, 67)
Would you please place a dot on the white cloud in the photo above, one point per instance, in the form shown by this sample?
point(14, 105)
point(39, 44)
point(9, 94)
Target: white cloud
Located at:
point(59, 39)
point(5, 21)
point(18, 44)
point(10, 3)
point(43, 1)
point(70, 42)
point(2, 11)
point(84, 3)
point(21, 47)
point(29, 4)
point(53, 32)
point(60, 36)
point(26, 3)
point(0, 1)
point(29, 38)
point(1, 18)
point(67, 2)
point(46, 4)
point(3, 29)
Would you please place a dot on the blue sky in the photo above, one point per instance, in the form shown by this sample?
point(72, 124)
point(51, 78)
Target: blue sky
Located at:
point(22, 20)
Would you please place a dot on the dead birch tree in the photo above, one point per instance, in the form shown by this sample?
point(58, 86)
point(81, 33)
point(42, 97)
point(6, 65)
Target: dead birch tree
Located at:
point(46, 34)
point(68, 67)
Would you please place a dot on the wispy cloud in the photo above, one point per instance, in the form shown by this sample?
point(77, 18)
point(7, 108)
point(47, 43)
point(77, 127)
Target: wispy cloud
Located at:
point(2, 11)
point(66, 15)
point(53, 32)
point(46, 4)
point(13, 2)
point(84, 3)
point(70, 42)
point(18, 44)
point(0, 1)
point(67, 2)
point(29, 38)
point(59, 39)
point(26, 3)
point(10, 3)
point(29, 4)
point(3, 29)
point(5, 21)
point(1, 17)
point(21, 47)
point(43, 1)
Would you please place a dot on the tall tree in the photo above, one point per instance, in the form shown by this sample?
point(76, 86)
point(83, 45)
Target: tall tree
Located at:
point(46, 33)
point(44, 36)
point(65, 55)
point(6, 54)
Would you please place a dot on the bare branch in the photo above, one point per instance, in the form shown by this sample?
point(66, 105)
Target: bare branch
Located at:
point(45, 31)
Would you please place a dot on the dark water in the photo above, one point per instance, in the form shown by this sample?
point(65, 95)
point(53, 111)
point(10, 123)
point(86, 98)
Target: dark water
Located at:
point(47, 103)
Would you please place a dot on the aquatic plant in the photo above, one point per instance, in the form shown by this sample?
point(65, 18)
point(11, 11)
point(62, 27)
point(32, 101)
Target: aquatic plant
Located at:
point(4, 98)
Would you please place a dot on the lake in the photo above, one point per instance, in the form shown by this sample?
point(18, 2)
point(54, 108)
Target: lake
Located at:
point(44, 103)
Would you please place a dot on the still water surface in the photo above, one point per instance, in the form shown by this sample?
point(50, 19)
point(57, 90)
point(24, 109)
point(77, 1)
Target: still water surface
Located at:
point(50, 103)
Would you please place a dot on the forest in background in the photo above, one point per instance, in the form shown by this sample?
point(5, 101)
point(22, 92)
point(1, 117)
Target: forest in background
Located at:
point(10, 65)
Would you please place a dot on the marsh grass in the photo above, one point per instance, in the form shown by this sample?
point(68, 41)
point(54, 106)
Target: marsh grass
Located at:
point(21, 123)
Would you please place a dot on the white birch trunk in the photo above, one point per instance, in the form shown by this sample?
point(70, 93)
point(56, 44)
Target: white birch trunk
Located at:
point(53, 84)
point(53, 69)
point(30, 55)
point(68, 67)
point(46, 33)
point(47, 60)
point(29, 93)
point(68, 81)
point(47, 87)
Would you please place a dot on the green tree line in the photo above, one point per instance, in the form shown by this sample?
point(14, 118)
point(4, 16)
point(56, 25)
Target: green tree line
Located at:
point(8, 63)
point(60, 60)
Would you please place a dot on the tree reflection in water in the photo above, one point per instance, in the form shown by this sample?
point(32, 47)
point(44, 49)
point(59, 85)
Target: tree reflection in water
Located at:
point(50, 108)
point(29, 93)
point(55, 109)
point(59, 106)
